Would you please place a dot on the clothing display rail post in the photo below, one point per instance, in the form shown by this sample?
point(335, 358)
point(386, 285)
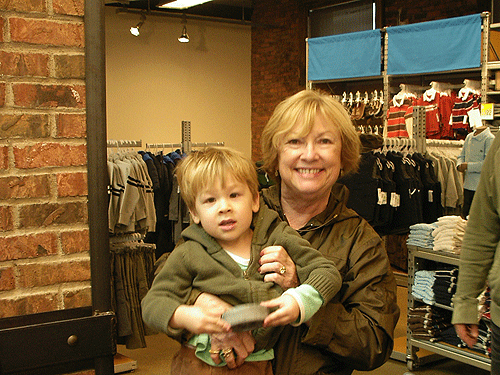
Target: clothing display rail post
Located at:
point(186, 136)
point(484, 56)
point(419, 128)
point(385, 79)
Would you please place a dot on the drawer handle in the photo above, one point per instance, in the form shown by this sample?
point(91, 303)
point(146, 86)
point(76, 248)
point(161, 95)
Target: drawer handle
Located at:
point(72, 340)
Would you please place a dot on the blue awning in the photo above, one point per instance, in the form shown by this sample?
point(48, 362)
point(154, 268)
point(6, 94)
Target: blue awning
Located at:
point(345, 56)
point(434, 46)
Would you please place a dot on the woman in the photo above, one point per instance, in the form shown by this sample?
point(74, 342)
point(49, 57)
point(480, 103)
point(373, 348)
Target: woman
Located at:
point(307, 144)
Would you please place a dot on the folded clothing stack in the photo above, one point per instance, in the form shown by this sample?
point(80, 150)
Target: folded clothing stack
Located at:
point(449, 234)
point(428, 322)
point(422, 286)
point(421, 235)
point(445, 286)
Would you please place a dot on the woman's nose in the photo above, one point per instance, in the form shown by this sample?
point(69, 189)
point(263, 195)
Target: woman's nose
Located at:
point(309, 151)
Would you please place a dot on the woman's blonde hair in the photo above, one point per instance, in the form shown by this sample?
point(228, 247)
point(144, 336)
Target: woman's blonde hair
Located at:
point(302, 109)
point(201, 168)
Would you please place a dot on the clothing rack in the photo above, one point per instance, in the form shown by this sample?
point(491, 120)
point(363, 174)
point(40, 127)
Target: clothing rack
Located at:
point(123, 143)
point(179, 145)
point(444, 142)
point(163, 145)
point(409, 143)
point(186, 144)
point(126, 237)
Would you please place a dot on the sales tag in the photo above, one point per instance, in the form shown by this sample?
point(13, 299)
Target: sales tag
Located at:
point(382, 197)
point(487, 111)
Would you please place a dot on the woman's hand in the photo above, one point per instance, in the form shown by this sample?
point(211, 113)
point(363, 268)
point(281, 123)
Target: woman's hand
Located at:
point(278, 267)
point(468, 333)
point(240, 344)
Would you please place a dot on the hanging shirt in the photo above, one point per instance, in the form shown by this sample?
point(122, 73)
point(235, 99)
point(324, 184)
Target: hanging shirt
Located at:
point(445, 108)
point(459, 113)
point(430, 100)
point(399, 117)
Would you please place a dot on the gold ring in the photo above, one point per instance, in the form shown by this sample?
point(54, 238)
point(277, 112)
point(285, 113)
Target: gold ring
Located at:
point(214, 351)
point(226, 352)
point(282, 270)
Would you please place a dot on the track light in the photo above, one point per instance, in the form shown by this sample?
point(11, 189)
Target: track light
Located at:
point(134, 30)
point(184, 38)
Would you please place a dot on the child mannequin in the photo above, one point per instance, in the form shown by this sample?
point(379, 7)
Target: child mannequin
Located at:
point(220, 256)
point(470, 161)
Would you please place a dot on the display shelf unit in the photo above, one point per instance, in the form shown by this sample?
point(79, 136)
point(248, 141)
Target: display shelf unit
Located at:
point(389, 83)
point(421, 259)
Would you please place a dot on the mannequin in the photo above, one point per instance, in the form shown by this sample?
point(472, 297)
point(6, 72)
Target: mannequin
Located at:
point(470, 161)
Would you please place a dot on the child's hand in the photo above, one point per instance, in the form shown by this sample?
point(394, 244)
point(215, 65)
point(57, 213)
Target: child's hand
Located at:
point(198, 320)
point(288, 311)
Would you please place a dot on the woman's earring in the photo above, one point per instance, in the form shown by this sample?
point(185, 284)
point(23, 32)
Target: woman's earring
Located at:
point(276, 173)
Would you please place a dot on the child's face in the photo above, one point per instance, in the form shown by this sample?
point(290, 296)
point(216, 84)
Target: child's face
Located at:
point(226, 212)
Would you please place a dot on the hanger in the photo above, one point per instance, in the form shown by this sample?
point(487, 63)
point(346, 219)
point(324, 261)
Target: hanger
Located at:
point(344, 98)
point(366, 100)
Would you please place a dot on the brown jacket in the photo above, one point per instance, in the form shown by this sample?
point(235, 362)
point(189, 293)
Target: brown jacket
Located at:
point(355, 329)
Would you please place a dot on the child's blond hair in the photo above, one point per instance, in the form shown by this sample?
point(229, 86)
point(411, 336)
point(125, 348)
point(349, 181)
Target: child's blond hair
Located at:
point(201, 168)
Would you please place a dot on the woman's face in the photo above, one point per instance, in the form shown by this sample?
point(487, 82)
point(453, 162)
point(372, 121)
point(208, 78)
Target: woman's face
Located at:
point(309, 166)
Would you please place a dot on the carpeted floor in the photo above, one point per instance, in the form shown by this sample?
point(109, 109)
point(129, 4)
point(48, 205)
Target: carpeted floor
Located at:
point(155, 358)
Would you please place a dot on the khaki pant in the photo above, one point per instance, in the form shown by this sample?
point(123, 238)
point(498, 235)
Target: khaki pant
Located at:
point(185, 362)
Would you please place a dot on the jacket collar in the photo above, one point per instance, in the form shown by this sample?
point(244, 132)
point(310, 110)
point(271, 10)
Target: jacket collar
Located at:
point(335, 210)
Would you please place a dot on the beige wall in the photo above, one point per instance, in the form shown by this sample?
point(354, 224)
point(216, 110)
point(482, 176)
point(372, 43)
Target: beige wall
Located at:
point(154, 82)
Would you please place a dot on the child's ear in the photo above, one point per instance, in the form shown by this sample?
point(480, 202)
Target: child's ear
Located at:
point(256, 203)
point(195, 217)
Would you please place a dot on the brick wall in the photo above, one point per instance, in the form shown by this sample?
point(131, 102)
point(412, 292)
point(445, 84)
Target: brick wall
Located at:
point(44, 242)
point(278, 58)
point(278, 53)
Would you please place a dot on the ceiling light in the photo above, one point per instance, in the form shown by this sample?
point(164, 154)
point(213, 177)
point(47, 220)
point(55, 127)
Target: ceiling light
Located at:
point(182, 4)
point(184, 38)
point(134, 30)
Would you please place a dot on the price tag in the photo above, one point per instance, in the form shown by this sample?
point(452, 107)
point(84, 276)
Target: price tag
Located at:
point(487, 111)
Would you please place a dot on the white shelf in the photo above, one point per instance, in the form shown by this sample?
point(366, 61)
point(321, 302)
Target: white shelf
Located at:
point(492, 65)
